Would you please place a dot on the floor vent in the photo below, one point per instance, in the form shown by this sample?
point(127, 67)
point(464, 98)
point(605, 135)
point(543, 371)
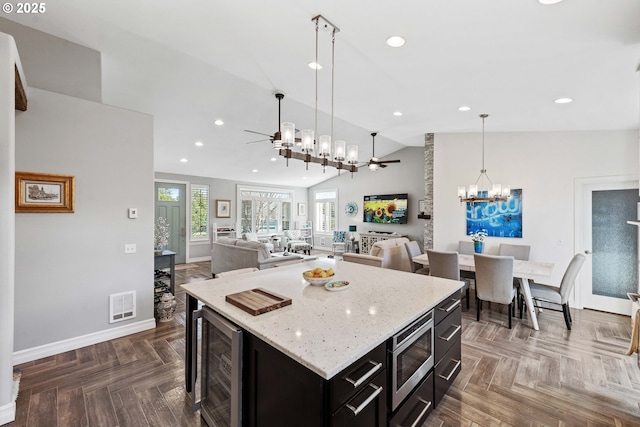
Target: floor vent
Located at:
point(122, 306)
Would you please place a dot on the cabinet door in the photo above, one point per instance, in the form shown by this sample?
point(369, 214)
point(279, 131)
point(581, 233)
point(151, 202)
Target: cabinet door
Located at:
point(446, 371)
point(367, 408)
point(417, 407)
point(279, 391)
point(447, 333)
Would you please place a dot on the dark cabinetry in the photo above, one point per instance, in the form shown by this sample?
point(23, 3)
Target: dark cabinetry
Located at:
point(448, 331)
point(280, 391)
point(418, 406)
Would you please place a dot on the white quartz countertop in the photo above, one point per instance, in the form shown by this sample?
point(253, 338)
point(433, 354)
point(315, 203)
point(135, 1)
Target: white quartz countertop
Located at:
point(328, 331)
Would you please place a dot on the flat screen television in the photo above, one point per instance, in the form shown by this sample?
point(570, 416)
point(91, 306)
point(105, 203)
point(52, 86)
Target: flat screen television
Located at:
point(385, 208)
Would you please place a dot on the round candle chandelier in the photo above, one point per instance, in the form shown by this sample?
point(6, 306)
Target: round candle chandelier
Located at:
point(483, 190)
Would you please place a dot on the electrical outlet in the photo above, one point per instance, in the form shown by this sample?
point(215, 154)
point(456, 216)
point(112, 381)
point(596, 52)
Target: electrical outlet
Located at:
point(130, 248)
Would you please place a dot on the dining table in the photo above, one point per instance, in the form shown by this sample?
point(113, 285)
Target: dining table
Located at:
point(524, 271)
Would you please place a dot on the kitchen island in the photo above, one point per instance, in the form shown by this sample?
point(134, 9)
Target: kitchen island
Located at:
point(321, 333)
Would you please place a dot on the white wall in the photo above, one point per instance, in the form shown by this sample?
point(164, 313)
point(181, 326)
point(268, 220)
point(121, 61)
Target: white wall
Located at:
point(67, 265)
point(545, 165)
point(8, 60)
point(405, 177)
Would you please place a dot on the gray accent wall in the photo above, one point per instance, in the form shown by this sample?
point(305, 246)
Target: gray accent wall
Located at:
point(405, 177)
point(67, 264)
point(55, 64)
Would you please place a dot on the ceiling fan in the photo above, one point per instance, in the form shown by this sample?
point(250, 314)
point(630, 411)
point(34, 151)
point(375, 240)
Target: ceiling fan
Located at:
point(276, 136)
point(374, 163)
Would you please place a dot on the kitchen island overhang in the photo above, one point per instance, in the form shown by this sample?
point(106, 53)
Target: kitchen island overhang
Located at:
point(328, 331)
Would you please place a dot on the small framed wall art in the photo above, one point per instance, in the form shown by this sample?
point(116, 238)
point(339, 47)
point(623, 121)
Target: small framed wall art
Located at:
point(223, 208)
point(42, 192)
point(302, 209)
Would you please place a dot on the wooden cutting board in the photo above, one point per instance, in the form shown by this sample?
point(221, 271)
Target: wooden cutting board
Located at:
point(257, 301)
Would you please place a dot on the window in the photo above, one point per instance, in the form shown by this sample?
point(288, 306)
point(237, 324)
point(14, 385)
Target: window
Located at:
point(264, 211)
point(199, 212)
point(326, 211)
point(168, 194)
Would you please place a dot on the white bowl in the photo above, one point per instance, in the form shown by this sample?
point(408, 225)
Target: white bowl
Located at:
point(318, 281)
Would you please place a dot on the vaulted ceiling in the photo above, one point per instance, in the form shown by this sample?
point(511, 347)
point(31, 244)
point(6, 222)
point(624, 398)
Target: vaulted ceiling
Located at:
point(191, 62)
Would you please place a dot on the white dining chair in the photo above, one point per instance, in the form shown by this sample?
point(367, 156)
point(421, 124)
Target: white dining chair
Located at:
point(413, 249)
point(466, 248)
point(543, 295)
point(520, 252)
point(445, 264)
point(494, 281)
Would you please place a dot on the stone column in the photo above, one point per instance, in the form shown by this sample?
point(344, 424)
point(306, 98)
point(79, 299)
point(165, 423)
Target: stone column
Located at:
point(428, 190)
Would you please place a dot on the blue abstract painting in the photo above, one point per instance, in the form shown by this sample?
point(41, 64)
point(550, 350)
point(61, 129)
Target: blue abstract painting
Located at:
point(497, 219)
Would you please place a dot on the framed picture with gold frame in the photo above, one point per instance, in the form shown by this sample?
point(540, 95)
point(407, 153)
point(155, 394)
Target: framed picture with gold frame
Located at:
point(43, 192)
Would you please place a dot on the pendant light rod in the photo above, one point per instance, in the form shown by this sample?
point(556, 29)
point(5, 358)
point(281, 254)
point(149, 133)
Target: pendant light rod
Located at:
point(483, 116)
point(476, 192)
point(345, 158)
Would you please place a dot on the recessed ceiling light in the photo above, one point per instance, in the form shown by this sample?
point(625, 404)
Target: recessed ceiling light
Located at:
point(397, 113)
point(255, 170)
point(563, 100)
point(304, 177)
point(549, 1)
point(464, 108)
point(273, 159)
point(199, 144)
point(184, 160)
point(314, 65)
point(218, 122)
point(395, 41)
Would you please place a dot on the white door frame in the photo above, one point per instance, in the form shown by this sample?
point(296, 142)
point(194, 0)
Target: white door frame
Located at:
point(582, 242)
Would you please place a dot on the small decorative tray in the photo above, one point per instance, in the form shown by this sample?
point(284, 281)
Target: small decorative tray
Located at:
point(338, 285)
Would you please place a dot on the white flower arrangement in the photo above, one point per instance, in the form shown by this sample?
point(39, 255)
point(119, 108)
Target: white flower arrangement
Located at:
point(161, 234)
point(478, 236)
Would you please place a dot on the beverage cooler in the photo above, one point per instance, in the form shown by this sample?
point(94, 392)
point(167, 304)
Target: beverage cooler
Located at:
point(220, 401)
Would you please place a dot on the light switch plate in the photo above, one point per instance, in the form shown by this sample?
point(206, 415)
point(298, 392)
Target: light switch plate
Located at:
point(130, 248)
point(133, 213)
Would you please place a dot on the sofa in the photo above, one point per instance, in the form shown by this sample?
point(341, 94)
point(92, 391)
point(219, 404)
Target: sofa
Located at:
point(390, 253)
point(232, 254)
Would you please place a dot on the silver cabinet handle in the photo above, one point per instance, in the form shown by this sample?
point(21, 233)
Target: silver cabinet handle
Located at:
point(455, 368)
point(452, 334)
point(365, 377)
point(451, 307)
point(418, 420)
point(377, 391)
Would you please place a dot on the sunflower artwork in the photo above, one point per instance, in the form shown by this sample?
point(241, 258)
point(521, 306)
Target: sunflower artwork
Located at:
point(385, 210)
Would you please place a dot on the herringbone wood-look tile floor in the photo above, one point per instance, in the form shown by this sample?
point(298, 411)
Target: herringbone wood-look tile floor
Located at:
point(517, 377)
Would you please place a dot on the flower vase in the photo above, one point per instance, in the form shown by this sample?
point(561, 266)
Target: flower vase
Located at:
point(477, 247)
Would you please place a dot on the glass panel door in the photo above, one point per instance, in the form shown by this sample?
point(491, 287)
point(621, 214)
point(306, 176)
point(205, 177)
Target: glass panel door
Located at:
point(612, 269)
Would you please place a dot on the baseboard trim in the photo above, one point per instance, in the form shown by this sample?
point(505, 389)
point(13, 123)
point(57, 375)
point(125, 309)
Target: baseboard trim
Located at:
point(7, 413)
point(200, 259)
point(58, 347)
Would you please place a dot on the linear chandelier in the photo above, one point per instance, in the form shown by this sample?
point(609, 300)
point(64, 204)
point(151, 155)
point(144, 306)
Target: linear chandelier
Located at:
point(477, 192)
point(344, 157)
